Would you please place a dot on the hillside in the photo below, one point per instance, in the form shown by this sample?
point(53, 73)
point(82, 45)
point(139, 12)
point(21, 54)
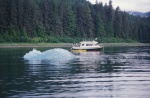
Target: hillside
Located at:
point(68, 21)
point(141, 14)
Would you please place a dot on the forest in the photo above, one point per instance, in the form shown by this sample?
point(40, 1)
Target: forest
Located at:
point(33, 21)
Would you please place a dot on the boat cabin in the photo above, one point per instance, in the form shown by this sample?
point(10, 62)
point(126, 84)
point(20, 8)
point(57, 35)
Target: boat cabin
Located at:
point(88, 43)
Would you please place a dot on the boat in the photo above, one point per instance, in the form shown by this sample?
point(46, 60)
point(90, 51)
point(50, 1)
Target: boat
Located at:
point(84, 46)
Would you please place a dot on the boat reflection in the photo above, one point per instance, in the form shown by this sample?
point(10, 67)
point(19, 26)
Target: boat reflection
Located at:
point(88, 61)
point(88, 58)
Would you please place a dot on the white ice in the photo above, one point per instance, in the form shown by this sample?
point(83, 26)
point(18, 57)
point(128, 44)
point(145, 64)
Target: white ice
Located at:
point(52, 56)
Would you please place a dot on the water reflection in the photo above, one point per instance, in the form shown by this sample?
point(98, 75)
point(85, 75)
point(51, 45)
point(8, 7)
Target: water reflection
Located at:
point(88, 58)
point(96, 62)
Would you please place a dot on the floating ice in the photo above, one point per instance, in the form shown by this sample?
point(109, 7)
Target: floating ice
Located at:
point(32, 55)
point(50, 56)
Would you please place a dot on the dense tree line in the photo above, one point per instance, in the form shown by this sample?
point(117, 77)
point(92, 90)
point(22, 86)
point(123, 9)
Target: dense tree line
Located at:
point(68, 21)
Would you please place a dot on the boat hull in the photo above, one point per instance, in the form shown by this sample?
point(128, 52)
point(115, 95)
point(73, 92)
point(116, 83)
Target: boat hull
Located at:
point(86, 50)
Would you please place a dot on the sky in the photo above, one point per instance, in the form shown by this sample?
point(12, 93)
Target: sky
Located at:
point(128, 5)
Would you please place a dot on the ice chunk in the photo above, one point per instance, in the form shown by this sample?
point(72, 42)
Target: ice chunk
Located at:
point(32, 54)
point(52, 55)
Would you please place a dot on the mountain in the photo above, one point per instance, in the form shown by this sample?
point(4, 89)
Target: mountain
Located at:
point(141, 14)
point(148, 14)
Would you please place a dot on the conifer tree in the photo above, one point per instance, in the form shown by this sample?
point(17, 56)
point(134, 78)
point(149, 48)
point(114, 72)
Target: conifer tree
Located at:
point(117, 23)
point(110, 16)
point(97, 17)
point(126, 26)
point(68, 19)
point(85, 21)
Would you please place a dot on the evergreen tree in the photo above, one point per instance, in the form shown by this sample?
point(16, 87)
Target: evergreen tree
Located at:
point(68, 19)
point(85, 22)
point(27, 16)
point(126, 26)
point(118, 23)
point(20, 13)
point(3, 16)
point(56, 23)
point(110, 16)
point(97, 17)
point(13, 13)
point(45, 12)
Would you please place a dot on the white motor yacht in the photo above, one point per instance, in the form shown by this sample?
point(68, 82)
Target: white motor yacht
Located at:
point(87, 46)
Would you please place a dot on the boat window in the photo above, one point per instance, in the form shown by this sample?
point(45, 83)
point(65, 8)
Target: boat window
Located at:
point(82, 44)
point(88, 44)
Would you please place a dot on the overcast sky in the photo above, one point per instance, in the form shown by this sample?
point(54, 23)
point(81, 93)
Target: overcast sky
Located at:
point(129, 5)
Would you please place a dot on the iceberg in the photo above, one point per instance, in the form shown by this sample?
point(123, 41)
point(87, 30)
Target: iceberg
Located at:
point(56, 55)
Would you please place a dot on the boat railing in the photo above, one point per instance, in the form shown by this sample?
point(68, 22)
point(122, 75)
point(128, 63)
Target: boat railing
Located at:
point(75, 45)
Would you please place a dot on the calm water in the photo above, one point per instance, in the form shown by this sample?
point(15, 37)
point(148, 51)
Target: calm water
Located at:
point(118, 72)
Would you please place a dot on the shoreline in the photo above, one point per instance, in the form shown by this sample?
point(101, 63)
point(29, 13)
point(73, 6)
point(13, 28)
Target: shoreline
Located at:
point(125, 44)
point(34, 45)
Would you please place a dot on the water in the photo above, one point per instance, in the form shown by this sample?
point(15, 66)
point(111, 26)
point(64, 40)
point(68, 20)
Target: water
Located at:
point(118, 72)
